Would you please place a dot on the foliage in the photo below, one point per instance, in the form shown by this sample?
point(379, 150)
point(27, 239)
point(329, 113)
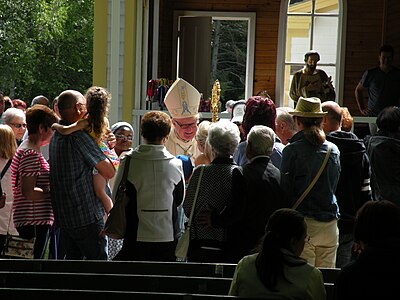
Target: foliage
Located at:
point(46, 46)
point(229, 50)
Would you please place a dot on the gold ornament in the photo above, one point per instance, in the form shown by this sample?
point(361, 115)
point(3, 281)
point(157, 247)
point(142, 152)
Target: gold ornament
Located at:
point(216, 93)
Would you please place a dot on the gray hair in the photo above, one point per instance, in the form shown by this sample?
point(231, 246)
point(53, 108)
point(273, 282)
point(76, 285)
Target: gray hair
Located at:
point(223, 137)
point(261, 139)
point(40, 100)
point(282, 115)
point(12, 113)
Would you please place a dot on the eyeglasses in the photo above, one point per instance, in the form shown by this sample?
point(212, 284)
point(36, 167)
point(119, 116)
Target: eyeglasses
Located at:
point(123, 137)
point(18, 125)
point(186, 126)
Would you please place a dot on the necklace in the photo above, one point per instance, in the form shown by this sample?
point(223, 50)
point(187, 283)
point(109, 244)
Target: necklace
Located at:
point(185, 150)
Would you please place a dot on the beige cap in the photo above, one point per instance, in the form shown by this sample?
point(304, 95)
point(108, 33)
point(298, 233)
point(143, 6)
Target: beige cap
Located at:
point(182, 99)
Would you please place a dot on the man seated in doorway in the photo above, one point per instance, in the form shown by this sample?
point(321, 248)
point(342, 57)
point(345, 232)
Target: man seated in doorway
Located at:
point(182, 101)
point(312, 82)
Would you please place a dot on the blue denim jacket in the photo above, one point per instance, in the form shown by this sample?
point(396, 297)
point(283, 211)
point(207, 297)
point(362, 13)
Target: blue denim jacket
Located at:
point(300, 163)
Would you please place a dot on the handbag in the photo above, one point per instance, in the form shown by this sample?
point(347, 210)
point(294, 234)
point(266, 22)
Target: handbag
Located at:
point(17, 247)
point(115, 226)
point(182, 246)
point(308, 189)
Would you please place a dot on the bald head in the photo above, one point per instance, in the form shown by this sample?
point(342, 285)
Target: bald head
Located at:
point(68, 99)
point(67, 105)
point(333, 118)
point(285, 125)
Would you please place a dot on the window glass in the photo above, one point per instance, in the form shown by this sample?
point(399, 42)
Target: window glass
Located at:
point(300, 6)
point(324, 6)
point(311, 24)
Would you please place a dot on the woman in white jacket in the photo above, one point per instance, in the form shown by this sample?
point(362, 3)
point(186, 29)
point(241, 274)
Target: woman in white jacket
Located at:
point(156, 186)
point(7, 151)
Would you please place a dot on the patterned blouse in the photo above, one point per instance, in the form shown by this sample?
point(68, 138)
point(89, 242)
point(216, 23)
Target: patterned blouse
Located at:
point(215, 193)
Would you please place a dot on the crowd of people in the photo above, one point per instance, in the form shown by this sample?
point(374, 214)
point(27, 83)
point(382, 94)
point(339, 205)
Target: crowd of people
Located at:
point(279, 191)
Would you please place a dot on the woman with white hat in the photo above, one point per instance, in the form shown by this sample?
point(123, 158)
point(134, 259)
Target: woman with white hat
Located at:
point(307, 155)
point(124, 133)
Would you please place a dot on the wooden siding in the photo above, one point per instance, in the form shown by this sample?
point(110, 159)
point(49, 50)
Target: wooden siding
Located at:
point(364, 36)
point(267, 25)
point(369, 24)
point(393, 28)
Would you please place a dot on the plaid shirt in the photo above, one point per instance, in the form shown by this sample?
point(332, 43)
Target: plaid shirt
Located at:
point(72, 159)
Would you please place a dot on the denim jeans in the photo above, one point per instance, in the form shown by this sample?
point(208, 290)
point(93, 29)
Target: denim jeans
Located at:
point(85, 242)
point(344, 251)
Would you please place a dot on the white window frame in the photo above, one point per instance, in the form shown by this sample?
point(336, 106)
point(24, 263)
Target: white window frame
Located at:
point(340, 58)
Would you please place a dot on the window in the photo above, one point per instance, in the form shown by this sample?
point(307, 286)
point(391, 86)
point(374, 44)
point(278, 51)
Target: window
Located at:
point(309, 25)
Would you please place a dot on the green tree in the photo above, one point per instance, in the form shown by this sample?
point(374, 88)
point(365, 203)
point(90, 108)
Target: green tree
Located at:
point(46, 46)
point(228, 61)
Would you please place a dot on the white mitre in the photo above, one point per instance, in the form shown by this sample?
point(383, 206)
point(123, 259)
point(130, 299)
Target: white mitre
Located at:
point(182, 99)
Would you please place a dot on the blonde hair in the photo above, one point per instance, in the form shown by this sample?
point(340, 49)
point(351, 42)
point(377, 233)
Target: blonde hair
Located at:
point(202, 132)
point(7, 142)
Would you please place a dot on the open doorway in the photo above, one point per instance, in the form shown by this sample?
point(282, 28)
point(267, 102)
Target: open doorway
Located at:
point(215, 45)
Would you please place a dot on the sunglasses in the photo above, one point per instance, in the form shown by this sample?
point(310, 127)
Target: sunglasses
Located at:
point(18, 125)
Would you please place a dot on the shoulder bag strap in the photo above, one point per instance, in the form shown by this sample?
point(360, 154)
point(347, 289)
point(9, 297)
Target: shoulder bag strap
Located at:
point(126, 170)
point(308, 189)
point(122, 183)
point(195, 197)
point(8, 164)
point(125, 174)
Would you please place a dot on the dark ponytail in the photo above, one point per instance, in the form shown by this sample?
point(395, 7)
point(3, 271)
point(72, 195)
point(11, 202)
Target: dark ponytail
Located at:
point(283, 225)
point(312, 130)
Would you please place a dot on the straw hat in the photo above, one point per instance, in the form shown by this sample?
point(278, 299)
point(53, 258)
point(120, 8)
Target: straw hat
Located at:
point(308, 108)
point(182, 99)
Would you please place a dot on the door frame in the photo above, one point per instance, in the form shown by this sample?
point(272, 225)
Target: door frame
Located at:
point(250, 17)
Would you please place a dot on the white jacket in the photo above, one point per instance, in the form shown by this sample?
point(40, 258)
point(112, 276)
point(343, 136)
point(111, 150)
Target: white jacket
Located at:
point(154, 173)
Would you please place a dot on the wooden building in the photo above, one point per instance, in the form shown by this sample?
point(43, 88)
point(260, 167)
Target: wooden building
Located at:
point(136, 40)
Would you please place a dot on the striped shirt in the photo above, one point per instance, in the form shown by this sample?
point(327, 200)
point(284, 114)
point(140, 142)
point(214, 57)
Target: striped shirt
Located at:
point(29, 163)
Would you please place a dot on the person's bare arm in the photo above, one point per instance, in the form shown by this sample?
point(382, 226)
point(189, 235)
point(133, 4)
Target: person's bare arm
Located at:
point(105, 168)
point(99, 185)
point(30, 190)
point(359, 94)
point(68, 129)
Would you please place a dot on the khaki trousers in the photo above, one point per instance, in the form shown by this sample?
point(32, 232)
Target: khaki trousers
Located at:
point(320, 251)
